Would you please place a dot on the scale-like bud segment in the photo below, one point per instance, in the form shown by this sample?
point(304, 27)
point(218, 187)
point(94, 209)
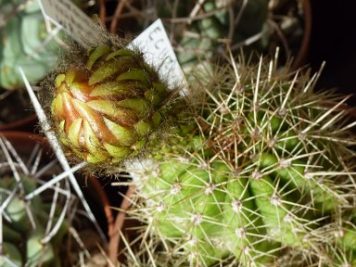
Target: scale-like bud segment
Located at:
point(105, 111)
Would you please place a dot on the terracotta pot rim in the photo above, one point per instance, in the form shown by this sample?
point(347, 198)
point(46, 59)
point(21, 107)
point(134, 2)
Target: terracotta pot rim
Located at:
point(23, 137)
point(304, 47)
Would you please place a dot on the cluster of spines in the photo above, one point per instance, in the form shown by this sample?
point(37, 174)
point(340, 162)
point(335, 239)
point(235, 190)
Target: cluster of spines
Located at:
point(286, 175)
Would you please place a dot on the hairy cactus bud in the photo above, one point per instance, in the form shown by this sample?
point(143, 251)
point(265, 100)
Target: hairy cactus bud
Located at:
point(104, 111)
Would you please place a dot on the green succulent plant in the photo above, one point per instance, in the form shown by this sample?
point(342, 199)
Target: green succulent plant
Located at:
point(24, 42)
point(200, 30)
point(257, 170)
point(210, 28)
point(23, 231)
point(264, 176)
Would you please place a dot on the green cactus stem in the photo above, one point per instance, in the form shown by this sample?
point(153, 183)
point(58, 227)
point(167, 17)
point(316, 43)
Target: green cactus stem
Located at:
point(271, 176)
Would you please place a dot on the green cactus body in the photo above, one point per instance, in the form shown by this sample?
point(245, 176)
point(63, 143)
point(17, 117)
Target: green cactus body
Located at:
point(23, 244)
point(25, 43)
point(270, 177)
point(202, 29)
point(207, 30)
point(200, 48)
point(104, 112)
point(37, 252)
point(11, 256)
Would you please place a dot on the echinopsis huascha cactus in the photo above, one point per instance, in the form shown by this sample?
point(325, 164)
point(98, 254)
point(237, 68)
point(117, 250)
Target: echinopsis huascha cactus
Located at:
point(106, 107)
point(258, 170)
point(267, 180)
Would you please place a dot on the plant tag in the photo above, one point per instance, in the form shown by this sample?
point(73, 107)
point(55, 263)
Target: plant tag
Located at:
point(158, 52)
point(75, 22)
point(153, 41)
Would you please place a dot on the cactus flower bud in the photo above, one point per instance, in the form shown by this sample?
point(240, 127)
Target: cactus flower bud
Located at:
point(105, 111)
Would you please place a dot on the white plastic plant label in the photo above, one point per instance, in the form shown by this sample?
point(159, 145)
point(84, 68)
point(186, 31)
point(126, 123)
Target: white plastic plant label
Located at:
point(153, 42)
point(74, 21)
point(158, 52)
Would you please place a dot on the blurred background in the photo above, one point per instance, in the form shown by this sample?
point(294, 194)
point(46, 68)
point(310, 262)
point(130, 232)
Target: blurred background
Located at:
point(333, 40)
